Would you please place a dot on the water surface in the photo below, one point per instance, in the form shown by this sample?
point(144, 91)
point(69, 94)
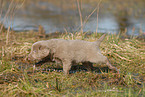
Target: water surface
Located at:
point(61, 19)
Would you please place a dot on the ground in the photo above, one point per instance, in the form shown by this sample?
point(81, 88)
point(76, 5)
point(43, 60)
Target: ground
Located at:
point(18, 77)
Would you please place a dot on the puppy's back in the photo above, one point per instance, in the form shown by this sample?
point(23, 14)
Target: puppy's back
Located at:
point(75, 50)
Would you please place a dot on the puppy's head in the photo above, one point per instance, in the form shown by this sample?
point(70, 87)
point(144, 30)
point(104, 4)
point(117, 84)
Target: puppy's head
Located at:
point(39, 51)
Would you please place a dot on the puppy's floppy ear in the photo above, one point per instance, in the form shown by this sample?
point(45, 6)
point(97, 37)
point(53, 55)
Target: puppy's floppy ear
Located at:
point(42, 47)
point(44, 50)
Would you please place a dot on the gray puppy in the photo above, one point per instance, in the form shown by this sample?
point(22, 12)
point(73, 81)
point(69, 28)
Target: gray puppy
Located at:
point(69, 52)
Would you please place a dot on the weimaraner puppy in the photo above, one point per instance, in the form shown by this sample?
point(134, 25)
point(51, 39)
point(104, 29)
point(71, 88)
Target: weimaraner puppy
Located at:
point(69, 52)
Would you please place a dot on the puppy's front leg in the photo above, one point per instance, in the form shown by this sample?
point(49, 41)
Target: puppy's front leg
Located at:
point(66, 66)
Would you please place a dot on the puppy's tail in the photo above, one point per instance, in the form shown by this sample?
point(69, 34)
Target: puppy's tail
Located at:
point(100, 39)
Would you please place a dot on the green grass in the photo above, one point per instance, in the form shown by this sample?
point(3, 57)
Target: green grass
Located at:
point(17, 77)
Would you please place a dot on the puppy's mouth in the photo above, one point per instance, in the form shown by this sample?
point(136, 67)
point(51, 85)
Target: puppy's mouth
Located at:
point(42, 61)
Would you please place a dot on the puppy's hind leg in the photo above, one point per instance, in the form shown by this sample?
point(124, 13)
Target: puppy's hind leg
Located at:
point(104, 60)
point(110, 66)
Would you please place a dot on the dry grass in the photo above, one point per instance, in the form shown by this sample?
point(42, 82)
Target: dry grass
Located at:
point(17, 77)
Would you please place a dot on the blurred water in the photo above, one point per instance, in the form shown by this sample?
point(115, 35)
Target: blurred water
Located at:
point(53, 19)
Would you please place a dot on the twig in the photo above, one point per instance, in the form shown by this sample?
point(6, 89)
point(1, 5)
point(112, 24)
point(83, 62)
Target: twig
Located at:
point(81, 20)
point(87, 18)
point(98, 7)
point(57, 86)
point(7, 37)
